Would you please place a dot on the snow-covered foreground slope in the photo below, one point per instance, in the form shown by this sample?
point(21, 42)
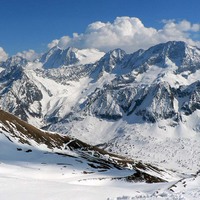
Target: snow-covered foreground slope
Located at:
point(37, 164)
point(49, 182)
point(37, 174)
point(44, 175)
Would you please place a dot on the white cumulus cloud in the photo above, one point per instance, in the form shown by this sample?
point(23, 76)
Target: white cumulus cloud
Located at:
point(64, 41)
point(53, 43)
point(3, 55)
point(30, 55)
point(130, 34)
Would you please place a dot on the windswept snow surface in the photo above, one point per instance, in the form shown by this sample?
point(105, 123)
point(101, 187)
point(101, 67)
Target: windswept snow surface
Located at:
point(50, 181)
point(32, 173)
point(37, 172)
point(87, 56)
point(53, 183)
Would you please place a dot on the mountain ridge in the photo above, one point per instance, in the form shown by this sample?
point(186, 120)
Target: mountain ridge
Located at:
point(125, 95)
point(107, 65)
point(57, 57)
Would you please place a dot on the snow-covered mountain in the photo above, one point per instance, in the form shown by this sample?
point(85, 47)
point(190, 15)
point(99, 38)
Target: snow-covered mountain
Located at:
point(14, 61)
point(143, 106)
point(125, 103)
point(57, 57)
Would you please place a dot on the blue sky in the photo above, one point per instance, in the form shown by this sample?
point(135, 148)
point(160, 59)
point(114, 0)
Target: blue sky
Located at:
point(27, 24)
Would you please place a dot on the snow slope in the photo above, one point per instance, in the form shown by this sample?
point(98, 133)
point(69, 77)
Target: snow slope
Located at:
point(42, 175)
point(35, 172)
point(38, 164)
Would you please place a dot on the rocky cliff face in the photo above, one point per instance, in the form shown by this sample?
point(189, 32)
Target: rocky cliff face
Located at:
point(19, 95)
point(57, 57)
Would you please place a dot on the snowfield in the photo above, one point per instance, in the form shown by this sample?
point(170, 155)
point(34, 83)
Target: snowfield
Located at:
point(25, 180)
point(28, 172)
point(35, 174)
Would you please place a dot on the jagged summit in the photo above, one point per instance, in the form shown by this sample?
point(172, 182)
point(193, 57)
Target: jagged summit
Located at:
point(14, 61)
point(111, 60)
point(178, 53)
point(57, 57)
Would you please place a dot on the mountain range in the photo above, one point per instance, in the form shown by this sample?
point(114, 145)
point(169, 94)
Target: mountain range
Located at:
point(144, 105)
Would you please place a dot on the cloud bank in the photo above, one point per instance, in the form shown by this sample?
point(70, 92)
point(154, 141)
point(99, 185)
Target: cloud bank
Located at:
point(130, 34)
point(30, 55)
point(3, 55)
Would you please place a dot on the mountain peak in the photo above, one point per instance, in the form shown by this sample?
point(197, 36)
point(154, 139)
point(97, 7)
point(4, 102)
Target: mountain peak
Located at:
point(57, 57)
point(180, 54)
point(117, 53)
point(111, 59)
point(14, 61)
